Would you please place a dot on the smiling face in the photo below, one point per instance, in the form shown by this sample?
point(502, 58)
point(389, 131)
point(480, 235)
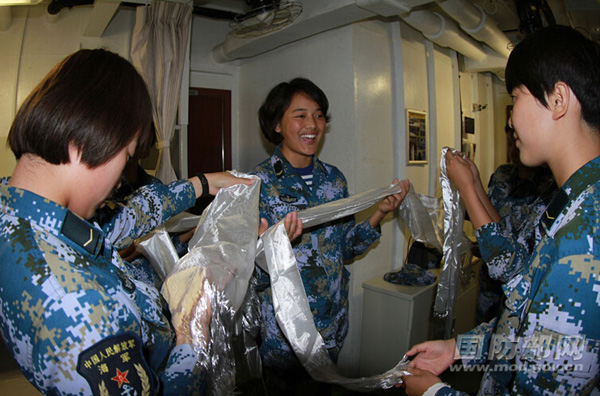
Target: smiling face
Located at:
point(529, 119)
point(302, 127)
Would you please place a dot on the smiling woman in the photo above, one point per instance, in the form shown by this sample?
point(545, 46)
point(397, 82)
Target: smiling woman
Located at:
point(294, 116)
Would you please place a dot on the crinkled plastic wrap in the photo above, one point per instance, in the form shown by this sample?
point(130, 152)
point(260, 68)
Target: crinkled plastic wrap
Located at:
point(424, 217)
point(291, 304)
point(159, 249)
point(332, 211)
point(455, 245)
point(207, 286)
point(213, 278)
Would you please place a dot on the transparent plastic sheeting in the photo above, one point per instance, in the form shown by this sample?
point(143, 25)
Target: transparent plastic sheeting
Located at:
point(454, 246)
point(424, 217)
point(213, 277)
point(157, 245)
point(291, 304)
point(206, 287)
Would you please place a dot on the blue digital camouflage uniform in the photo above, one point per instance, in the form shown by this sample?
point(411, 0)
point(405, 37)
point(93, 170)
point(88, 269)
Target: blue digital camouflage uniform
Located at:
point(320, 253)
point(506, 245)
point(107, 216)
point(548, 336)
point(73, 316)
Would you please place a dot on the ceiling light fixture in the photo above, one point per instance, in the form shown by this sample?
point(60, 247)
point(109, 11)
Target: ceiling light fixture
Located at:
point(19, 2)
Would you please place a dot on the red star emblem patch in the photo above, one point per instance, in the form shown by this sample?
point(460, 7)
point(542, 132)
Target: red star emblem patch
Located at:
point(121, 377)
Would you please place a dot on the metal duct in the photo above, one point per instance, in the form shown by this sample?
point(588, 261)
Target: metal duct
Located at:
point(474, 21)
point(436, 28)
point(318, 17)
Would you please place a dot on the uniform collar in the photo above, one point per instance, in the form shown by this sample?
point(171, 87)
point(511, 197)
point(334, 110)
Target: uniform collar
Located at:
point(282, 166)
point(574, 186)
point(52, 216)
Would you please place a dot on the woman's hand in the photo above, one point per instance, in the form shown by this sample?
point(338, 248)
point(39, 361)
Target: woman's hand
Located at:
point(434, 356)
point(129, 253)
point(389, 203)
point(418, 381)
point(291, 223)
point(460, 170)
point(263, 226)
point(463, 173)
point(474, 168)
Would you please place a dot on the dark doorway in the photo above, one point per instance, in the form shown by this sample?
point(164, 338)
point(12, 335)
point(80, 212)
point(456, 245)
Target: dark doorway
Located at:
point(209, 135)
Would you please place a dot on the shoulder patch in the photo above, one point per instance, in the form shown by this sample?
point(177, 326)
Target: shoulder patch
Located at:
point(116, 366)
point(82, 233)
point(554, 208)
point(278, 169)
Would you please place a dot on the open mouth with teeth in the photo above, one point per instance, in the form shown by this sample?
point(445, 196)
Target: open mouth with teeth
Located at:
point(308, 138)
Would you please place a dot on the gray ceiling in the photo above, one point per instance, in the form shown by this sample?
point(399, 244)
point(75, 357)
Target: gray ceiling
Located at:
point(581, 14)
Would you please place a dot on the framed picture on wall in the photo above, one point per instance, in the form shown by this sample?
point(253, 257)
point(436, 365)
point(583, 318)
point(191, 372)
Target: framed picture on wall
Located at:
point(416, 128)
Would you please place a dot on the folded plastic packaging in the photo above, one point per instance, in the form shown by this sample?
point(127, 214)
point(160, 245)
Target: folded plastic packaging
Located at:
point(157, 246)
point(210, 282)
point(208, 285)
point(219, 267)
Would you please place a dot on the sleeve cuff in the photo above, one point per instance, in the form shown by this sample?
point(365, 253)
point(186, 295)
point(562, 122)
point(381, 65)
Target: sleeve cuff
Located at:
point(433, 389)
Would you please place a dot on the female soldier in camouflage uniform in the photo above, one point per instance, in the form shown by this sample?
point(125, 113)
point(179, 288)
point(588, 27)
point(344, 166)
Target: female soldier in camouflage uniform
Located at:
point(73, 316)
point(547, 338)
point(293, 117)
point(507, 230)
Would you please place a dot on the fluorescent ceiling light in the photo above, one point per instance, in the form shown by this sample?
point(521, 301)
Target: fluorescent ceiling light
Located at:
point(19, 2)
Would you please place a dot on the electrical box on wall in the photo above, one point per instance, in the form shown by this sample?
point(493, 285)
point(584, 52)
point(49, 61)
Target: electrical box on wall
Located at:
point(468, 125)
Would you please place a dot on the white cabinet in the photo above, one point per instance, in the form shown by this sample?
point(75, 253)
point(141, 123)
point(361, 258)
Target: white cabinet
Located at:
point(396, 317)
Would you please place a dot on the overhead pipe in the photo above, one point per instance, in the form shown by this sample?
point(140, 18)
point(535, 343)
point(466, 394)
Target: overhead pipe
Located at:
point(443, 32)
point(52, 18)
point(474, 21)
point(435, 27)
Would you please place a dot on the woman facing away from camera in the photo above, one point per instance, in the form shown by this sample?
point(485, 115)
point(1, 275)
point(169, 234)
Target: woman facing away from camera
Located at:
point(294, 116)
point(73, 315)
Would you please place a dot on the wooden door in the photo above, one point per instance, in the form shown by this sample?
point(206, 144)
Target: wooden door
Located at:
point(209, 134)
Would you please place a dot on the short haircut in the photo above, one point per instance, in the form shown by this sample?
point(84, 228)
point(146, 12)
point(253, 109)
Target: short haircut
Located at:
point(553, 54)
point(93, 99)
point(279, 99)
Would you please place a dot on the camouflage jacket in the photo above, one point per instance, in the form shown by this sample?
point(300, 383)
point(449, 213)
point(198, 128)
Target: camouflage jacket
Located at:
point(73, 316)
point(506, 245)
point(320, 252)
point(547, 339)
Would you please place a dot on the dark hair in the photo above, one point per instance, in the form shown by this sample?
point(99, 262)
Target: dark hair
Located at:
point(553, 54)
point(279, 99)
point(93, 99)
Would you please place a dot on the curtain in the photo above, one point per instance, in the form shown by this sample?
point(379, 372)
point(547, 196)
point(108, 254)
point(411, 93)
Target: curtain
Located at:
point(158, 51)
